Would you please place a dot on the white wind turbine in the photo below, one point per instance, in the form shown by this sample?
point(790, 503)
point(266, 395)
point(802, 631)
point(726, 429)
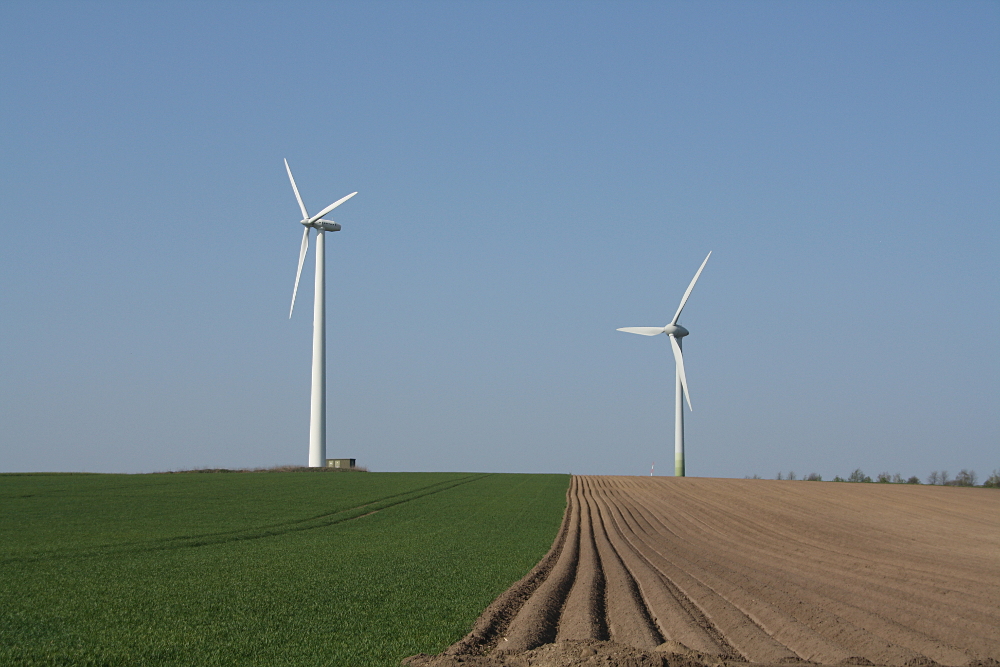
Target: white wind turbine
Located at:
point(317, 411)
point(675, 332)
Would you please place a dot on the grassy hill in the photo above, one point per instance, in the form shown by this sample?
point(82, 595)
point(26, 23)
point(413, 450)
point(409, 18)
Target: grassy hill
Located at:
point(279, 568)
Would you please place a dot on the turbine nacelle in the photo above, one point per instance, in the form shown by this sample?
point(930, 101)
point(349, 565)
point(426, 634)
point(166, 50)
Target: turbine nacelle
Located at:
point(322, 225)
point(675, 330)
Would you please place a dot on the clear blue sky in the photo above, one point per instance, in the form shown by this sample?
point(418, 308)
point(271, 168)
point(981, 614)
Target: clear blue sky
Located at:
point(532, 176)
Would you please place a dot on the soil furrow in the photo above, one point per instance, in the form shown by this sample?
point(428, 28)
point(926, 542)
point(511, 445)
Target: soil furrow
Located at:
point(628, 619)
point(676, 616)
point(740, 630)
point(491, 626)
point(583, 614)
point(537, 621)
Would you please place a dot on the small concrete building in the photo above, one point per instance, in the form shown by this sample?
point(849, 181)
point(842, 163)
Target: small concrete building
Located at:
point(340, 463)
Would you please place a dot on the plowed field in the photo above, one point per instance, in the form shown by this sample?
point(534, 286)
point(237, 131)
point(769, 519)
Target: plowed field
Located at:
point(760, 571)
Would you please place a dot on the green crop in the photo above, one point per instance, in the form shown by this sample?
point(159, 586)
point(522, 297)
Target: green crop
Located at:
point(259, 568)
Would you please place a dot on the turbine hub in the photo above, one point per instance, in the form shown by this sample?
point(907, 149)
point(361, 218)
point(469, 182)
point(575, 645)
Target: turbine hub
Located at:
point(675, 330)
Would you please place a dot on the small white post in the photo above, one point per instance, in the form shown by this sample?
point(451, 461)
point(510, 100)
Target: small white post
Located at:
point(317, 410)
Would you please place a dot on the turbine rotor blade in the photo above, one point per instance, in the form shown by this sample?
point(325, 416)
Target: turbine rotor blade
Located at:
point(684, 299)
point(679, 358)
point(298, 272)
point(296, 189)
point(331, 207)
point(643, 331)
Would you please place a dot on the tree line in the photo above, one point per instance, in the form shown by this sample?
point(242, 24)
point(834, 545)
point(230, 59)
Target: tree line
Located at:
point(965, 477)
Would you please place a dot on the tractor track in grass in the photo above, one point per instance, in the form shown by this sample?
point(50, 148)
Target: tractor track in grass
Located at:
point(321, 520)
point(754, 571)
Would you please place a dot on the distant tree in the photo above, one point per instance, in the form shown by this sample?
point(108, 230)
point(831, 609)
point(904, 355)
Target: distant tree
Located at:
point(779, 476)
point(859, 476)
point(838, 478)
point(913, 480)
point(883, 478)
point(814, 477)
point(966, 478)
point(897, 479)
point(934, 478)
point(753, 477)
point(791, 475)
point(993, 481)
point(944, 477)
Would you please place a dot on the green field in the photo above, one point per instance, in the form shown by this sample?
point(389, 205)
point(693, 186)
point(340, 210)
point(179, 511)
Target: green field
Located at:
point(272, 568)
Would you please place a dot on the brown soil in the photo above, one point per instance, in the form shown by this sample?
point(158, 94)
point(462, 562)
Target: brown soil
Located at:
point(694, 572)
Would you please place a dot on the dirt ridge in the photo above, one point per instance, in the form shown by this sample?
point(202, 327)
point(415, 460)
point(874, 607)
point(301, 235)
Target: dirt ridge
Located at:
point(492, 624)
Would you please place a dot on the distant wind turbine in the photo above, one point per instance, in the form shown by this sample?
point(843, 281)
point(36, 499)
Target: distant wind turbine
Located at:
point(675, 332)
point(317, 411)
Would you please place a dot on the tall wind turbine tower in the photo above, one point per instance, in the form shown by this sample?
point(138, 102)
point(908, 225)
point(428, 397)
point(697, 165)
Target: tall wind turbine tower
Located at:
point(317, 409)
point(675, 333)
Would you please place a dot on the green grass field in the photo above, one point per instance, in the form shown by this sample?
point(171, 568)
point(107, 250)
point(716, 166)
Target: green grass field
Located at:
point(276, 568)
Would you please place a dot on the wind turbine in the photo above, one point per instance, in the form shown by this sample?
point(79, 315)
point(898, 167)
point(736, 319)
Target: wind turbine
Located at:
point(675, 332)
point(317, 410)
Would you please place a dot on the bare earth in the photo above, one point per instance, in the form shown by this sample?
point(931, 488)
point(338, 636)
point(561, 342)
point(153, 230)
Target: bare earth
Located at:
point(687, 572)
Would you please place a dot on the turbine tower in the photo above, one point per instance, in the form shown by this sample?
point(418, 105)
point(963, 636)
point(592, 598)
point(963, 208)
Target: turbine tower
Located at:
point(317, 409)
point(675, 333)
